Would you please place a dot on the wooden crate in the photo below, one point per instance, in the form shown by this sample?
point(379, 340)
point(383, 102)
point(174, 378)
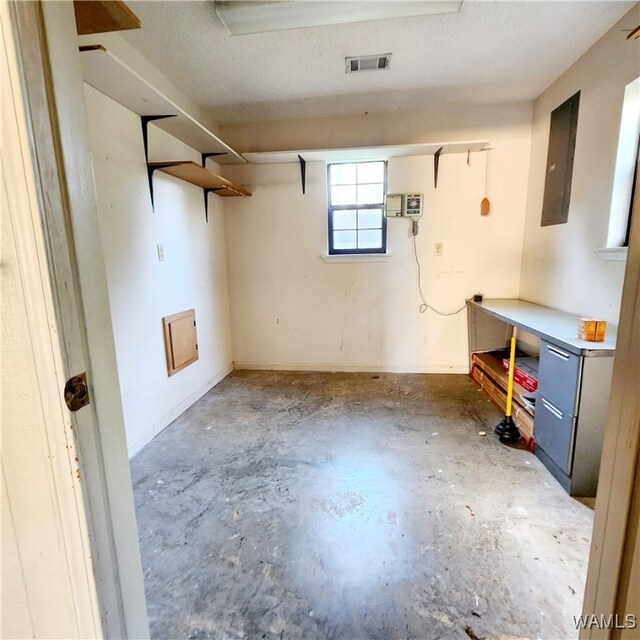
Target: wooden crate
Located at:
point(493, 381)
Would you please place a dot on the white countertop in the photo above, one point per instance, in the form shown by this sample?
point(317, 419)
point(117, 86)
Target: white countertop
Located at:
point(557, 326)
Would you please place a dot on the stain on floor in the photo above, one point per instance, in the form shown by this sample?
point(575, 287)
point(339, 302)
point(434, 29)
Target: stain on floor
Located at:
point(354, 506)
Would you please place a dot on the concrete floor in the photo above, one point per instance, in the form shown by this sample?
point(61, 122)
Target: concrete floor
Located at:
point(353, 506)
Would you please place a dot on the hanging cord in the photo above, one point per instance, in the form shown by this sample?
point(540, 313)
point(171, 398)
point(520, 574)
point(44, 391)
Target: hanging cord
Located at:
point(424, 305)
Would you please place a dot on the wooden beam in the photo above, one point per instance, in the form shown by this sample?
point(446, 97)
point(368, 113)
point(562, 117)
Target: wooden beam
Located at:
point(99, 16)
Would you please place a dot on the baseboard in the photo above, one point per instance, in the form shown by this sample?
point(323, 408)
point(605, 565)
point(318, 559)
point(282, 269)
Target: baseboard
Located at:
point(159, 425)
point(339, 368)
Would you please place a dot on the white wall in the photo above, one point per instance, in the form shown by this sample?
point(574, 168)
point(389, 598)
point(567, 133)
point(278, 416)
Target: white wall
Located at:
point(560, 267)
point(141, 288)
point(292, 310)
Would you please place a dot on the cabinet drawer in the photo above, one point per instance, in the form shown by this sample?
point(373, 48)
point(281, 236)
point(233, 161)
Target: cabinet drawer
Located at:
point(559, 376)
point(554, 429)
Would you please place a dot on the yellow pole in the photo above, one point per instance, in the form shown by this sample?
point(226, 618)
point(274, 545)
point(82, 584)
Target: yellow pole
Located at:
point(512, 365)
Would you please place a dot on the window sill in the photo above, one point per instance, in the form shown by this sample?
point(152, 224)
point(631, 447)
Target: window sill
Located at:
point(356, 257)
point(613, 254)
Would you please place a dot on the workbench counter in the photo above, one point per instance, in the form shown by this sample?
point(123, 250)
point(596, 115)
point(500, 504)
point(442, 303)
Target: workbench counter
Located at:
point(550, 324)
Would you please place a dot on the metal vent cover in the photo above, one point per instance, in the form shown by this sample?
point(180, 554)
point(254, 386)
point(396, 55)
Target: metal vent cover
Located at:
point(378, 62)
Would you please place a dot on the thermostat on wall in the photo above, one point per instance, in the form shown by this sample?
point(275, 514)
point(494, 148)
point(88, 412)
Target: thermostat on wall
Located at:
point(413, 205)
point(400, 205)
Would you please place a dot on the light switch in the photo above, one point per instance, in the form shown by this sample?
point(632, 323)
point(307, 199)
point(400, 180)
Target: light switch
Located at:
point(160, 248)
point(437, 249)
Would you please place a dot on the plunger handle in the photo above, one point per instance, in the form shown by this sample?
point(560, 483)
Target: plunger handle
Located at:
point(512, 366)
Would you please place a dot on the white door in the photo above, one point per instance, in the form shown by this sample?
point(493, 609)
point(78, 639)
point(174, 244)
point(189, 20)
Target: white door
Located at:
point(48, 584)
point(70, 564)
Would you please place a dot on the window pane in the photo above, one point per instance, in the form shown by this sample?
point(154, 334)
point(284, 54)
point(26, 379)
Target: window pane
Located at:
point(371, 172)
point(370, 193)
point(343, 174)
point(343, 195)
point(344, 220)
point(369, 218)
point(370, 239)
point(344, 240)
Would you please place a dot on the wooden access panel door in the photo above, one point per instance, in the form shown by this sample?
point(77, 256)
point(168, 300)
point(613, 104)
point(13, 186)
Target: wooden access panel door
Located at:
point(562, 143)
point(180, 340)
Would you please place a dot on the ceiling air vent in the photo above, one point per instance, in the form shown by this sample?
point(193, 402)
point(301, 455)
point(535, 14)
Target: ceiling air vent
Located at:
point(368, 63)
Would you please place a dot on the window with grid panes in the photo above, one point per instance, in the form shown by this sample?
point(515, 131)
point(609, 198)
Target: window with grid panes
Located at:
point(356, 207)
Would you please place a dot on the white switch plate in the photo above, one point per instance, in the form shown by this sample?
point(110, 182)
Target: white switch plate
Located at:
point(437, 249)
point(160, 248)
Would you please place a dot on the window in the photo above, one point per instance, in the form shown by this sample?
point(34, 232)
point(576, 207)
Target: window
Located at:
point(356, 207)
point(624, 177)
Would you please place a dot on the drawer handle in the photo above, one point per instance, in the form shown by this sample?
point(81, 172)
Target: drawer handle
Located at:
point(558, 414)
point(558, 353)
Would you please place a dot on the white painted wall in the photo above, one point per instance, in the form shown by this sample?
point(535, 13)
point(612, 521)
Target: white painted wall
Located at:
point(292, 310)
point(560, 267)
point(142, 290)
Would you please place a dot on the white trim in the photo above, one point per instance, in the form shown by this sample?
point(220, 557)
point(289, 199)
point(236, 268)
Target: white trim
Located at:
point(613, 254)
point(162, 423)
point(340, 368)
point(356, 257)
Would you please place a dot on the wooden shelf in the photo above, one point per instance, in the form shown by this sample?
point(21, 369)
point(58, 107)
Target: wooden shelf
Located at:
point(100, 16)
point(195, 174)
point(105, 72)
point(359, 154)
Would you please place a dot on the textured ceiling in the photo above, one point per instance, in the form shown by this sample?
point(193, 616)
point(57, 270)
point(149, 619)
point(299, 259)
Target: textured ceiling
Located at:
point(488, 52)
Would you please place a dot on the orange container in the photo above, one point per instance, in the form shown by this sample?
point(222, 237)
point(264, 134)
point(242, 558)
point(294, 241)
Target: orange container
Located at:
point(601, 331)
point(587, 328)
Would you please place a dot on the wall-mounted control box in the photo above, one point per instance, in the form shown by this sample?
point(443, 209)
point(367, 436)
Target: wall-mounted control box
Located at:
point(394, 205)
point(413, 205)
point(405, 205)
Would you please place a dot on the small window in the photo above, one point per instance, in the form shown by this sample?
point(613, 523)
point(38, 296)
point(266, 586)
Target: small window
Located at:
point(356, 207)
point(625, 174)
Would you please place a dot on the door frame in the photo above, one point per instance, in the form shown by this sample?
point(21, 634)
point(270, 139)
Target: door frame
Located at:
point(51, 83)
point(615, 528)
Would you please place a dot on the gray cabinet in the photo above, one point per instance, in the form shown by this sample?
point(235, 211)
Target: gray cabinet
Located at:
point(574, 379)
point(571, 412)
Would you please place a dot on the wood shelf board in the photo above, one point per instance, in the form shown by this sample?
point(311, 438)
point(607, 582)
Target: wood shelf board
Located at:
point(360, 154)
point(492, 366)
point(100, 16)
point(196, 174)
point(105, 72)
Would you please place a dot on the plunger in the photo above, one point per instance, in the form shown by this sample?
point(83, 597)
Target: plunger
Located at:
point(506, 428)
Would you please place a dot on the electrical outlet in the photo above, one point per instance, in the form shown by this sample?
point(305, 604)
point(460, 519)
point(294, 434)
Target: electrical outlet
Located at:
point(160, 248)
point(437, 249)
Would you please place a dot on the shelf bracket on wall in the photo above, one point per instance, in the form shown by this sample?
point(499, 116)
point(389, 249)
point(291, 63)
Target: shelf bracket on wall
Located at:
point(303, 173)
point(145, 141)
point(207, 191)
point(211, 155)
point(150, 170)
point(436, 165)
